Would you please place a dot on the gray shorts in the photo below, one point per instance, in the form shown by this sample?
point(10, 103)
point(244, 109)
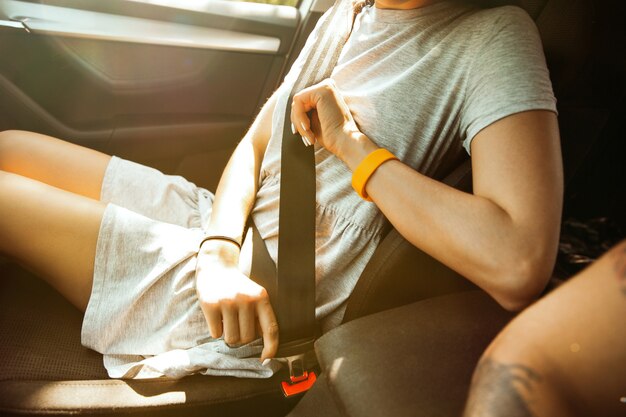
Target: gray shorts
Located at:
point(143, 314)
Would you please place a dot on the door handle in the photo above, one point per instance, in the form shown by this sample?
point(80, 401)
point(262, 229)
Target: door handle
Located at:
point(14, 24)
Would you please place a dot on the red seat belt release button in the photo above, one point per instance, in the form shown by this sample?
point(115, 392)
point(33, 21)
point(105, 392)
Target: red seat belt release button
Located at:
point(304, 384)
point(299, 380)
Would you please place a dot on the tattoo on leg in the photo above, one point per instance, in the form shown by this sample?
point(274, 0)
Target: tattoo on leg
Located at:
point(620, 267)
point(500, 389)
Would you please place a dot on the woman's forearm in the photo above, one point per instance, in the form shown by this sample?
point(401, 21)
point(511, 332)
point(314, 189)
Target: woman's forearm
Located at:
point(233, 201)
point(470, 234)
point(234, 305)
point(504, 236)
point(236, 191)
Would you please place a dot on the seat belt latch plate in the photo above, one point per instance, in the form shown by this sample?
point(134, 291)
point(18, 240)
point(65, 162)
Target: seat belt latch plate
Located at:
point(300, 380)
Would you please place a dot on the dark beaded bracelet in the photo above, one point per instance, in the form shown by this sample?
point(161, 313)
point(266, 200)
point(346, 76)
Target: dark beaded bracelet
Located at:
point(217, 237)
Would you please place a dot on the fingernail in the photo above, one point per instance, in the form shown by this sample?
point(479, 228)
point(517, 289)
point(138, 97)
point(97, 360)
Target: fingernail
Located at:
point(305, 141)
point(266, 362)
point(293, 129)
point(303, 126)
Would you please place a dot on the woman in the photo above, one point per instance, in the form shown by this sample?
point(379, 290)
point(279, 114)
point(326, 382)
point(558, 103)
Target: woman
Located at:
point(421, 78)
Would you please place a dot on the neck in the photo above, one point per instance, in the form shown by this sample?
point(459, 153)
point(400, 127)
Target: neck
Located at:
point(402, 4)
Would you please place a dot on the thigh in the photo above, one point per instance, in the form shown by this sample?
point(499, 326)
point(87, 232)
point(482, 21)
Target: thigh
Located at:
point(52, 232)
point(53, 161)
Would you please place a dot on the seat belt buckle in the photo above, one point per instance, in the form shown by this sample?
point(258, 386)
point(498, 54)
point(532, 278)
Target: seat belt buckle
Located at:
point(300, 380)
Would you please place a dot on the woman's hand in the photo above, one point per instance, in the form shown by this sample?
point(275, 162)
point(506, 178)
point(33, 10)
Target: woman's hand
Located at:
point(320, 114)
point(234, 305)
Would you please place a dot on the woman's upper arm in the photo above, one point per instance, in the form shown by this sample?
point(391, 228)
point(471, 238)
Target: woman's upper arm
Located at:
point(516, 164)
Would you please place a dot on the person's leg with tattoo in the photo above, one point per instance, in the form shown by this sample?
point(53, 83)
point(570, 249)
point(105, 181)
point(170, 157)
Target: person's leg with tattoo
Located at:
point(563, 356)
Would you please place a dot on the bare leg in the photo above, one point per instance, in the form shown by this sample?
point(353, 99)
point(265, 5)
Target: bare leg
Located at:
point(53, 161)
point(46, 223)
point(563, 356)
point(52, 232)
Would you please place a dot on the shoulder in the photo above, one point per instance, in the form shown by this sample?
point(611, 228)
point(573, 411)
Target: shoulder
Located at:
point(497, 18)
point(503, 33)
point(497, 31)
point(481, 25)
point(510, 22)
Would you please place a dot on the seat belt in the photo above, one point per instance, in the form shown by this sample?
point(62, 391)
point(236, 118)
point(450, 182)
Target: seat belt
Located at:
point(295, 311)
point(296, 244)
point(295, 277)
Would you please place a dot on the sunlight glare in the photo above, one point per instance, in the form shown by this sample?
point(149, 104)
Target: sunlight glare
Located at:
point(334, 367)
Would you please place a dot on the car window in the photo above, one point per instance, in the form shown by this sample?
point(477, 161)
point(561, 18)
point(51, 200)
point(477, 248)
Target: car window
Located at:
point(206, 2)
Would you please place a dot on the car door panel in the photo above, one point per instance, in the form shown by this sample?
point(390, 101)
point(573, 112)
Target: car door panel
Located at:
point(65, 21)
point(178, 101)
point(256, 18)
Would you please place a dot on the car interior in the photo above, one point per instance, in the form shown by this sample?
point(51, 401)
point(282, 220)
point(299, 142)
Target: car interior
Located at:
point(175, 85)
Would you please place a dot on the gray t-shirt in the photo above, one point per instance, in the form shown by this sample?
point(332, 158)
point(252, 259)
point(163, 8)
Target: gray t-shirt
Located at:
point(421, 83)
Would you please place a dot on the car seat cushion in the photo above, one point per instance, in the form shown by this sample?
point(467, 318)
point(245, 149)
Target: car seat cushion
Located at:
point(416, 357)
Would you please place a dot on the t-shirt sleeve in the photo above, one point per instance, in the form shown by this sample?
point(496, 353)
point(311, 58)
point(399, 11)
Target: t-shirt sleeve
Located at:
point(508, 74)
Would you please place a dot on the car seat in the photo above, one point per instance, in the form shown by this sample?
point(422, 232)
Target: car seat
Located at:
point(45, 370)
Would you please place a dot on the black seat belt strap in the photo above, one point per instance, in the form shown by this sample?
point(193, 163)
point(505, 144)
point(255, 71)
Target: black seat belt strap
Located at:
point(296, 243)
point(295, 279)
point(296, 238)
